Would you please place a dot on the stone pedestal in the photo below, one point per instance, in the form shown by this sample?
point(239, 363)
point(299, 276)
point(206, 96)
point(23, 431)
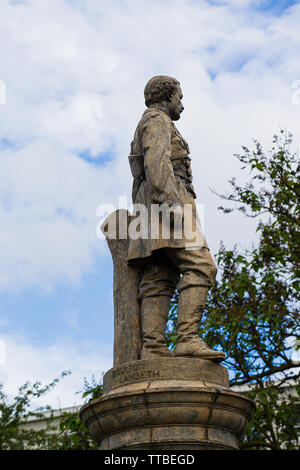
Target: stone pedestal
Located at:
point(167, 404)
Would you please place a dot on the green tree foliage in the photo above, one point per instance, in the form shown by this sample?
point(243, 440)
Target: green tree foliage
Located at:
point(252, 313)
point(15, 413)
point(61, 431)
point(71, 433)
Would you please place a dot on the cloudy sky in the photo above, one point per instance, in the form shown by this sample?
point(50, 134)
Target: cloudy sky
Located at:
point(72, 76)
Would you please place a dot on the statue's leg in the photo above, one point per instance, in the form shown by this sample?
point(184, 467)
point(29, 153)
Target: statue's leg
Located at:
point(157, 286)
point(198, 275)
point(154, 316)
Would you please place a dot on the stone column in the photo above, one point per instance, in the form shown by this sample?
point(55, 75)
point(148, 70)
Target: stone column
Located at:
point(127, 329)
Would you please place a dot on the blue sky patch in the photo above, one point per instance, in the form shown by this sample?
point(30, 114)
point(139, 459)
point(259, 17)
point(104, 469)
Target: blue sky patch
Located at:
point(81, 312)
point(100, 159)
point(274, 6)
point(6, 144)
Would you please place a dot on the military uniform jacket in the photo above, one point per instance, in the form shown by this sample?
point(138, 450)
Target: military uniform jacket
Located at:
point(160, 164)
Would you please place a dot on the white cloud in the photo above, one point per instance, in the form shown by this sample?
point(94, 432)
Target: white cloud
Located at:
point(74, 75)
point(27, 362)
point(48, 215)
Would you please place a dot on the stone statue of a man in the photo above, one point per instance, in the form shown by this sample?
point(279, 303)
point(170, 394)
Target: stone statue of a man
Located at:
point(161, 167)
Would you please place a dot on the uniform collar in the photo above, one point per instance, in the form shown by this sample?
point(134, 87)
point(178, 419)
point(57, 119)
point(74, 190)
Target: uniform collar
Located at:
point(159, 107)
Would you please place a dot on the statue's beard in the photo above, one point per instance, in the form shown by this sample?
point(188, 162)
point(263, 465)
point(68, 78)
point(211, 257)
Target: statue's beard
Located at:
point(175, 114)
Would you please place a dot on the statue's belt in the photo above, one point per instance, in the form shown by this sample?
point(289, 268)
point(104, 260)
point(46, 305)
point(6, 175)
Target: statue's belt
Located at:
point(181, 167)
point(137, 164)
point(180, 156)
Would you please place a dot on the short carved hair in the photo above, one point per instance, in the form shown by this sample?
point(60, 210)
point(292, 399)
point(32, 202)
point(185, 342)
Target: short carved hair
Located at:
point(160, 88)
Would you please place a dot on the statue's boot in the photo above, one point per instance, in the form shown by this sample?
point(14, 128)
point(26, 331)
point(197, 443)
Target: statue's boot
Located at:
point(190, 307)
point(154, 317)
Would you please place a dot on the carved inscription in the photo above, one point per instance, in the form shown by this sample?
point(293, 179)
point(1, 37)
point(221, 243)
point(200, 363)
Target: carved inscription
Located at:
point(132, 373)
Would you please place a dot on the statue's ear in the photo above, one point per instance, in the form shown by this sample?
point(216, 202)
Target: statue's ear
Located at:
point(169, 95)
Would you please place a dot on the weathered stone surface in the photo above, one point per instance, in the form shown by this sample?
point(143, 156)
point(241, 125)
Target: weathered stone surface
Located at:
point(127, 330)
point(174, 251)
point(168, 413)
point(165, 369)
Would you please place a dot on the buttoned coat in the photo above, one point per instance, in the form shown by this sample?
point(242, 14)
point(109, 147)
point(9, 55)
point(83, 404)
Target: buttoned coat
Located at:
point(160, 164)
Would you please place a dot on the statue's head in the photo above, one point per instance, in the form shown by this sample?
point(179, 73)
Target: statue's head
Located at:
point(166, 91)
